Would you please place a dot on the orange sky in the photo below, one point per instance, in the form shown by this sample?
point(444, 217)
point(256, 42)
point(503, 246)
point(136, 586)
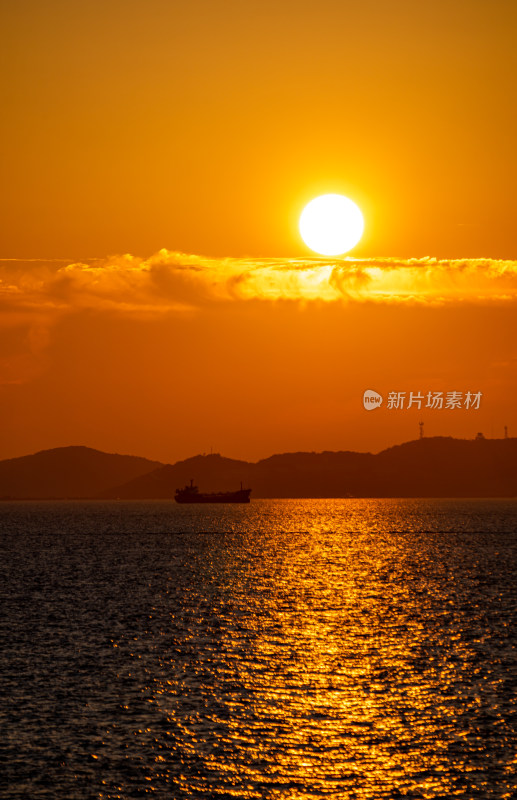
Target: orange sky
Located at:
point(203, 128)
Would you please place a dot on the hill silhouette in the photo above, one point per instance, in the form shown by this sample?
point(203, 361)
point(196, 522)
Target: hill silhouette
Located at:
point(68, 472)
point(213, 473)
point(429, 467)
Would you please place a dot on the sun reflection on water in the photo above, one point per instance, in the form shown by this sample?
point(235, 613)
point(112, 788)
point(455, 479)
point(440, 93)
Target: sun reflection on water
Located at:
point(364, 660)
point(341, 662)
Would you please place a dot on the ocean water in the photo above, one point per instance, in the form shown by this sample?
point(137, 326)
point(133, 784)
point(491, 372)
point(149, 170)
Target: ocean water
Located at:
point(285, 649)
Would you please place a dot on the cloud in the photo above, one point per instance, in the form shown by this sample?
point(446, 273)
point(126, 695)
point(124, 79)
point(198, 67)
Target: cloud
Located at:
point(35, 295)
point(171, 282)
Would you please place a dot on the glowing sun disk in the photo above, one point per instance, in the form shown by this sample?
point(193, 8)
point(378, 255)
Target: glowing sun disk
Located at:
point(331, 224)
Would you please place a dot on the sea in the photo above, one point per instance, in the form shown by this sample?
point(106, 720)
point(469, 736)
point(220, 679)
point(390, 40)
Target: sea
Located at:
point(349, 648)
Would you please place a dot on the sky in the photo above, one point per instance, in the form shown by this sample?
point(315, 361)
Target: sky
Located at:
point(155, 295)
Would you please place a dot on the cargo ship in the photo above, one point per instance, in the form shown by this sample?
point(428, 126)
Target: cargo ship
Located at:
point(191, 494)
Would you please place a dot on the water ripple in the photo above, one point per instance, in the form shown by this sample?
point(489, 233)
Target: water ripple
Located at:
point(369, 653)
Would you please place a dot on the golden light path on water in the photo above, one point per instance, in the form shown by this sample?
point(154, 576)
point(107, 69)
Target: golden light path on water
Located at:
point(368, 654)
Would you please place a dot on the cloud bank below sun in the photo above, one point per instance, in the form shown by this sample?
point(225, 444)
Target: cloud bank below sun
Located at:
point(168, 355)
point(169, 282)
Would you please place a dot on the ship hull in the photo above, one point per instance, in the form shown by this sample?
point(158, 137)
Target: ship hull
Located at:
point(241, 496)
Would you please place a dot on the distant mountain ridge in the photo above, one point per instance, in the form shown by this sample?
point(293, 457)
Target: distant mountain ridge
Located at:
point(429, 467)
point(212, 473)
point(76, 472)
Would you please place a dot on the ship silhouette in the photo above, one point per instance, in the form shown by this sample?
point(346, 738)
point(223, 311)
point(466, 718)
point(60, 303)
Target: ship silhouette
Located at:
point(191, 494)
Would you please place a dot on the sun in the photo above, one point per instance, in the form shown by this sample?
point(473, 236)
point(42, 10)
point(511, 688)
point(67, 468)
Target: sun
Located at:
point(331, 224)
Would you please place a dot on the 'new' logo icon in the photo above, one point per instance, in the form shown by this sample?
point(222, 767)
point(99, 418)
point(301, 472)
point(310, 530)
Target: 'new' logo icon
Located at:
point(371, 399)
